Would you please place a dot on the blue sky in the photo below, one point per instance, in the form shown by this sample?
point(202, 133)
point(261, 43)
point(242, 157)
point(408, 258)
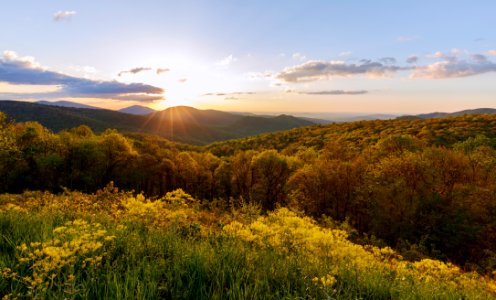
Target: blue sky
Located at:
point(260, 56)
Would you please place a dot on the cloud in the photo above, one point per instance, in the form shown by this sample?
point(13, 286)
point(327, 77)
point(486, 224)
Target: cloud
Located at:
point(451, 56)
point(388, 60)
point(298, 56)
point(454, 68)
point(259, 75)
point(492, 52)
point(25, 70)
point(182, 80)
point(134, 71)
point(319, 70)
point(220, 94)
point(345, 53)
point(412, 59)
point(63, 15)
point(405, 39)
point(138, 97)
point(479, 58)
point(331, 92)
point(162, 70)
point(227, 60)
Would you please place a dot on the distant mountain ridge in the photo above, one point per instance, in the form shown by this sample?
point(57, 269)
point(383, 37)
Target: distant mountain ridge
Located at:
point(476, 111)
point(133, 110)
point(137, 110)
point(64, 103)
point(181, 123)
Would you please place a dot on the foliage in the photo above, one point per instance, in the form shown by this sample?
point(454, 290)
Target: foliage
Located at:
point(134, 247)
point(424, 187)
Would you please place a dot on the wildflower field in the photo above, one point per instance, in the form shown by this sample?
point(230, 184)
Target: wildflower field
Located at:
point(116, 245)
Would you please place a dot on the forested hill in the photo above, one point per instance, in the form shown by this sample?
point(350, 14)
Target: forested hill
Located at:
point(438, 132)
point(184, 124)
point(425, 187)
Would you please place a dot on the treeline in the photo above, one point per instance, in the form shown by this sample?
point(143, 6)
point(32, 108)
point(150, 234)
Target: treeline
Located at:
point(424, 187)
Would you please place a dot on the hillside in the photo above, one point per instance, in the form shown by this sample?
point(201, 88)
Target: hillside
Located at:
point(467, 112)
point(110, 244)
point(184, 124)
point(436, 131)
point(384, 200)
point(59, 118)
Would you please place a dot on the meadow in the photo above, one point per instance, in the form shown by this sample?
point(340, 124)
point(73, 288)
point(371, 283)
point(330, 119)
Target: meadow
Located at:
point(112, 244)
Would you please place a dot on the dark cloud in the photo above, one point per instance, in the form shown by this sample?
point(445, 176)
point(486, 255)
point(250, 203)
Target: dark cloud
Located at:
point(137, 97)
point(388, 60)
point(318, 70)
point(331, 92)
point(134, 71)
point(412, 59)
point(24, 70)
point(479, 58)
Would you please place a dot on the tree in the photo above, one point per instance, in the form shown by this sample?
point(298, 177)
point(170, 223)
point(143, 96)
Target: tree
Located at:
point(117, 151)
point(271, 171)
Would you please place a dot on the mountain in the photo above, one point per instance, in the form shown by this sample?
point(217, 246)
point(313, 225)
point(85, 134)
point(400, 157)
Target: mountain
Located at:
point(181, 123)
point(477, 111)
point(67, 104)
point(187, 114)
point(250, 125)
point(137, 110)
point(58, 118)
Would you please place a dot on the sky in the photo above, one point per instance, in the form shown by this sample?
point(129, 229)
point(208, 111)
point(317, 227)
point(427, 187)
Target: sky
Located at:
point(330, 56)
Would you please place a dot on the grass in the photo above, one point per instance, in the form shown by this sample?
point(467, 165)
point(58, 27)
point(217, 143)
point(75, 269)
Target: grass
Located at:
point(194, 258)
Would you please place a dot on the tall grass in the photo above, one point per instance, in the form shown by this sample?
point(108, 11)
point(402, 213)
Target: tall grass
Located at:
point(180, 261)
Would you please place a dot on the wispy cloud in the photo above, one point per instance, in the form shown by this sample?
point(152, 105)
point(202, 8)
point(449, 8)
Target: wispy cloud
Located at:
point(162, 70)
point(25, 70)
point(492, 52)
point(388, 60)
point(182, 80)
point(63, 15)
point(407, 38)
point(134, 71)
point(299, 56)
point(345, 53)
point(227, 61)
point(412, 59)
point(319, 70)
point(221, 94)
point(330, 92)
point(452, 67)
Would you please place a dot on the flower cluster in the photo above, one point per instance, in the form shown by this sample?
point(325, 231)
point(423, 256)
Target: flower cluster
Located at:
point(78, 245)
point(288, 233)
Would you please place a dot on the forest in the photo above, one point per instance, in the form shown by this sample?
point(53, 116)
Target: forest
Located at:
point(425, 188)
